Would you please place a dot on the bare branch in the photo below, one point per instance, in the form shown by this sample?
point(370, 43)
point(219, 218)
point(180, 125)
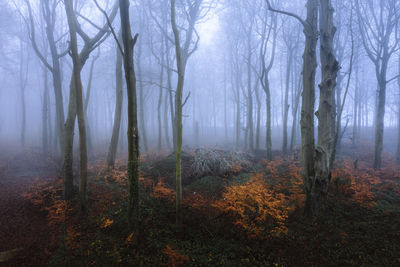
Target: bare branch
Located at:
point(111, 27)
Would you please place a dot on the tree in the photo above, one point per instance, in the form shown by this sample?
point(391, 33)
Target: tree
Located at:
point(265, 70)
point(182, 55)
point(49, 14)
point(398, 116)
point(326, 109)
point(316, 162)
point(89, 44)
point(379, 23)
point(112, 150)
point(133, 132)
point(77, 85)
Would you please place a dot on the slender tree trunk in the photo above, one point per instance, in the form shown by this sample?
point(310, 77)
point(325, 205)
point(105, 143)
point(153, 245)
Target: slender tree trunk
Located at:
point(380, 114)
point(295, 121)
point(398, 120)
point(269, 130)
point(171, 97)
point(133, 133)
point(258, 123)
point(45, 114)
point(165, 119)
point(160, 99)
point(112, 150)
point(249, 128)
point(178, 114)
point(86, 104)
point(286, 103)
point(22, 84)
point(141, 99)
point(238, 121)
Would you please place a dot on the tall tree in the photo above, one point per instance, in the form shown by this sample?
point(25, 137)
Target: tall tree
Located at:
point(133, 132)
point(89, 44)
point(77, 85)
point(266, 67)
point(326, 109)
point(112, 150)
point(192, 10)
point(49, 13)
point(379, 23)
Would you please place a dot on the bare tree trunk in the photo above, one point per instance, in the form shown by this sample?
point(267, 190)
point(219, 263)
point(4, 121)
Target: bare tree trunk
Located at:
point(171, 97)
point(269, 130)
point(249, 128)
point(286, 102)
point(294, 115)
point(22, 85)
point(380, 114)
point(45, 113)
point(86, 104)
point(258, 123)
point(160, 99)
point(141, 99)
point(79, 102)
point(133, 133)
point(165, 119)
point(398, 119)
point(68, 134)
point(178, 114)
point(112, 150)
point(326, 110)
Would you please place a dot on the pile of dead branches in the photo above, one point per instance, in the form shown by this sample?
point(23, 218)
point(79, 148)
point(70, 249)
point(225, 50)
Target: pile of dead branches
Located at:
point(211, 162)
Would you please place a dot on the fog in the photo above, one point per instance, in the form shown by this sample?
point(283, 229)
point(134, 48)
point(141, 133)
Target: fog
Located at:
point(129, 111)
point(225, 61)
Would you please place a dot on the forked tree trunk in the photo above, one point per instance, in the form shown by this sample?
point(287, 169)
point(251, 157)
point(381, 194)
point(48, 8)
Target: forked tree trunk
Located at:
point(79, 102)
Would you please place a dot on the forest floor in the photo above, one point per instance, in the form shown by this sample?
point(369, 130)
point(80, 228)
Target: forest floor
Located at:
point(243, 211)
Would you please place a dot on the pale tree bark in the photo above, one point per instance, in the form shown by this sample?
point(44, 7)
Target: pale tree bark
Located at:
point(310, 29)
point(77, 85)
point(133, 132)
point(326, 110)
point(112, 150)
